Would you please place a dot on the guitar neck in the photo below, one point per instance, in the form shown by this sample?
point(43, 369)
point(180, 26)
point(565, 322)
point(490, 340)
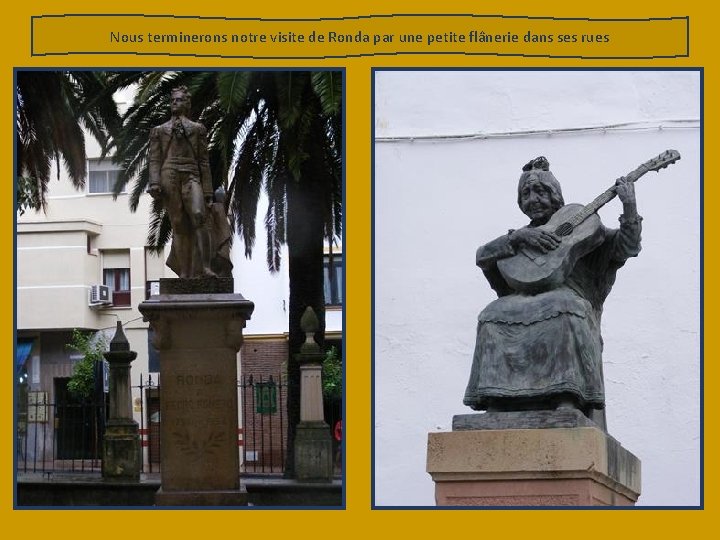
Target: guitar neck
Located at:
point(605, 197)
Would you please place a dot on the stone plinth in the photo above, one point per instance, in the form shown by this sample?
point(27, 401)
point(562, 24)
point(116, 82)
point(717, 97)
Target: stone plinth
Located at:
point(558, 418)
point(580, 466)
point(198, 337)
point(313, 452)
point(122, 458)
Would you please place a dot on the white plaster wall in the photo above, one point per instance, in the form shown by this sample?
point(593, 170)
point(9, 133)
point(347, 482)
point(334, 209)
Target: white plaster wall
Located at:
point(253, 280)
point(436, 202)
point(269, 291)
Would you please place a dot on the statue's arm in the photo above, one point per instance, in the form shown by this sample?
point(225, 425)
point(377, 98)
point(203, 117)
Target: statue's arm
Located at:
point(626, 242)
point(486, 258)
point(204, 163)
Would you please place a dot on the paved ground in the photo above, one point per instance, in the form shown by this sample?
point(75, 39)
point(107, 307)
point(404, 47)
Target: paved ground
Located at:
point(83, 489)
point(153, 478)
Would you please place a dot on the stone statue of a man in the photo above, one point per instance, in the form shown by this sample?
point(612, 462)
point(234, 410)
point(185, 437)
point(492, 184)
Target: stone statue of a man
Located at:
point(180, 179)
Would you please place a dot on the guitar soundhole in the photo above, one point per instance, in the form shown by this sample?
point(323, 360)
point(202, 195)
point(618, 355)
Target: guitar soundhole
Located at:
point(564, 229)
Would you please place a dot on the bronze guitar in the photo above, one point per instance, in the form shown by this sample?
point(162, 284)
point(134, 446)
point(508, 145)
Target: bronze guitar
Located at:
point(580, 231)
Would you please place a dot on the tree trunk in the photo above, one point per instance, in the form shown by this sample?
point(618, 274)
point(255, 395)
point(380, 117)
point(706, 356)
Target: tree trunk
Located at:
point(305, 254)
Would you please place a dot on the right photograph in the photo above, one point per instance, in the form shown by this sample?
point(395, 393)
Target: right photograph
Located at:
point(537, 288)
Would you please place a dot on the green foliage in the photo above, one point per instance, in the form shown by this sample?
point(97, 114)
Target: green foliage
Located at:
point(91, 346)
point(28, 194)
point(328, 87)
point(332, 380)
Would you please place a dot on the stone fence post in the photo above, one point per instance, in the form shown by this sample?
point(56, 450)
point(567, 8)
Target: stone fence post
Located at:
point(121, 443)
point(313, 444)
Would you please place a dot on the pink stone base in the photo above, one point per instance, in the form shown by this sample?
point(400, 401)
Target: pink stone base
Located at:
point(580, 466)
point(560, 492)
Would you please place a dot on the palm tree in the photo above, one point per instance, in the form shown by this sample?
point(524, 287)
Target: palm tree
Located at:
point(280, 131)
point(53, 109)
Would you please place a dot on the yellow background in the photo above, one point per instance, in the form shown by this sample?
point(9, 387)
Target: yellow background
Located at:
point(358, 519)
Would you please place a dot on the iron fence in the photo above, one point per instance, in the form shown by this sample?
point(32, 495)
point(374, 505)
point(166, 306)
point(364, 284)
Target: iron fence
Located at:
point(62, 436)
point(146, 408)
point(264, 423)
point(67, 436)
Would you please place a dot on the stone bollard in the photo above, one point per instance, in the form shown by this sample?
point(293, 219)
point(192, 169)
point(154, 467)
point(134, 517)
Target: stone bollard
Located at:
point(313, 444)
point(121, 443)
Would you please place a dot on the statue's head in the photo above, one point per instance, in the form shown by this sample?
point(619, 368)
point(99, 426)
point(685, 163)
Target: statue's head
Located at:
point(180, 100)
point(539, 193)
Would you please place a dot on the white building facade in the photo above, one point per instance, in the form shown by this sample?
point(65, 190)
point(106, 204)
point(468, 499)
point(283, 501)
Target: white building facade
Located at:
point(449, 148)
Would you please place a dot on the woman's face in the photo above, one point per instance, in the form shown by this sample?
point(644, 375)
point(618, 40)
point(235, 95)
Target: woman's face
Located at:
point(536, 200)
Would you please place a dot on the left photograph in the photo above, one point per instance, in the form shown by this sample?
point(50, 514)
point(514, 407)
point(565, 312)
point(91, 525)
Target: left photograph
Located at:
point(179, 288)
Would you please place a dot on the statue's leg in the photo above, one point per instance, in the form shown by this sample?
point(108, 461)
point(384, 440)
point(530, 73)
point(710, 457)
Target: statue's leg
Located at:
point(195, 202)
point(203, 242)
point(173, 201)
point(180, 242)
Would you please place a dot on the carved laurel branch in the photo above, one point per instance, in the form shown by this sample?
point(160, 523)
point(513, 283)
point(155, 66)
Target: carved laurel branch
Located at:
point(198, 449)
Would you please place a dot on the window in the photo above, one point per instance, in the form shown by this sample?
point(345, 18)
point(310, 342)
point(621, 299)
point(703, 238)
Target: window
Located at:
point(116, 274)
point(333, 278)
point(118, 281)
point(102, 176)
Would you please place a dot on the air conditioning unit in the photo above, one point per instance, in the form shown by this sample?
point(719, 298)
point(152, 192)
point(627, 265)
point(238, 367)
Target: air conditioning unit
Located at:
point(100, 295)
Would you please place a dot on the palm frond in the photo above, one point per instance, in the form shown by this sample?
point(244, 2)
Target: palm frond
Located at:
point(232, 90)
point(247, 182)
point(47, 128)
point(159, 230)
point(276, 181)
point(328, 87)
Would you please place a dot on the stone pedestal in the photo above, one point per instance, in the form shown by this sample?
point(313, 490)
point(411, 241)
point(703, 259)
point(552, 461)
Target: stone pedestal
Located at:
point(198, 335)
point(313, 443)
point(566, 466)
point(122, 459)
